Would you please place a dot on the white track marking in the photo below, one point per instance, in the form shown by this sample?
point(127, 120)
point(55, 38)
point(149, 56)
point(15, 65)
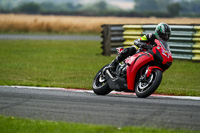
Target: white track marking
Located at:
point(113, 92)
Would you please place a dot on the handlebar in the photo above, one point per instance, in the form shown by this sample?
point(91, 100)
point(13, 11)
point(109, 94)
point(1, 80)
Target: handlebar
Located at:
point(145, 46)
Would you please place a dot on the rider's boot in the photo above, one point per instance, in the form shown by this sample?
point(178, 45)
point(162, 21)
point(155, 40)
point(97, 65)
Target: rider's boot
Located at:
point(123, 55)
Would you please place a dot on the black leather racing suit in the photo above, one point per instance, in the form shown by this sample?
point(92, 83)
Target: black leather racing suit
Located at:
point(147, 39)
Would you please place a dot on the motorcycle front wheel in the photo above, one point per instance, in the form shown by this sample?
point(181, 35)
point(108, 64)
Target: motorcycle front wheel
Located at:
point(145, 88)
point(100, 85)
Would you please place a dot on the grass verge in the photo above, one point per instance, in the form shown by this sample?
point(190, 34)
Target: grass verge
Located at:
point(15, 125)
point(73, 64)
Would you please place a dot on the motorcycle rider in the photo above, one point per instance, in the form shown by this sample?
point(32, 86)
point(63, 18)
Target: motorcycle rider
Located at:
point(162, 32)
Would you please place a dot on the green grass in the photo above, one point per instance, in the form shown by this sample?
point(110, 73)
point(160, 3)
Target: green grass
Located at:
point(73, 64)
point(15, 125)
point(50, 63)
point(182, 78)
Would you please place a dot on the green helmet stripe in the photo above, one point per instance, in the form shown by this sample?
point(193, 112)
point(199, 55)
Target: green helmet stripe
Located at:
point(161, 29)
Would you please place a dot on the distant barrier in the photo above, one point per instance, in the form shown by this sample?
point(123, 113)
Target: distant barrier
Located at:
point(184, 41)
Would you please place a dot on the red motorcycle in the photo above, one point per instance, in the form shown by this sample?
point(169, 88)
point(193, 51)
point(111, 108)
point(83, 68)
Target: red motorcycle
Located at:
point(140, 73)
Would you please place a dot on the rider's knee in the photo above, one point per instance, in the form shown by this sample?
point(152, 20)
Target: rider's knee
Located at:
point(132, 50)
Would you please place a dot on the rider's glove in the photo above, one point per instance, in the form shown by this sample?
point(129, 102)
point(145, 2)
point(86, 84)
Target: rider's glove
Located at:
point(140, 44)
point(144, 45)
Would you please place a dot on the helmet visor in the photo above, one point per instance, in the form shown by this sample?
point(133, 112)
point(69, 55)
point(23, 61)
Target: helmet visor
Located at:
point(164, 37)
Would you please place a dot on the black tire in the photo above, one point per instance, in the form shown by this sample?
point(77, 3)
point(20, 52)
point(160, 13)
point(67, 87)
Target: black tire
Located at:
point(100, 88)
point(148, 89)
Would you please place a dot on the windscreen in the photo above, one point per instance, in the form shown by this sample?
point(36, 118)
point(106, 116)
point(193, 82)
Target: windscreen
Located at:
point(165, 45)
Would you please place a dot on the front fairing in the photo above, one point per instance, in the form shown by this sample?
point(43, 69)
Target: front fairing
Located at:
point(162, 52)
point(135, 62)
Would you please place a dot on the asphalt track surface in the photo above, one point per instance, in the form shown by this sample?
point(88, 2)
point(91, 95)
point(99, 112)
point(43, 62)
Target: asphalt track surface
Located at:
point(112, 109)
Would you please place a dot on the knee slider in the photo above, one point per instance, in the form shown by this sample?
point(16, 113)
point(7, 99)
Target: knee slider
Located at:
point(132, 50)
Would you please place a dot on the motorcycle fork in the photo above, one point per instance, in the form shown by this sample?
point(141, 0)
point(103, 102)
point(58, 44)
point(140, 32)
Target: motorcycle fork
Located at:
point(144, 76)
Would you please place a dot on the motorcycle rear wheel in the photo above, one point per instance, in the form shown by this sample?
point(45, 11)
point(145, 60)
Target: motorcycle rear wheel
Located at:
point(100, 85)
point(144, 89)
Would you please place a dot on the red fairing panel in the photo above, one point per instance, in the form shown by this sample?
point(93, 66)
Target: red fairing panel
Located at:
point(136, 62)
point(167, 56)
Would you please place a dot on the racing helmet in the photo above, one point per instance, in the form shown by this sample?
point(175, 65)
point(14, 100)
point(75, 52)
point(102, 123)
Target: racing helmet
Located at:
point(163, 31)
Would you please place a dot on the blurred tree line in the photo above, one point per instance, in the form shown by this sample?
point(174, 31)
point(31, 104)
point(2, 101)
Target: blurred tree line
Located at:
point(142, 8)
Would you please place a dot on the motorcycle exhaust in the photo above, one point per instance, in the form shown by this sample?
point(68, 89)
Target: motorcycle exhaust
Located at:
point(109, 74)
point(118, 83)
